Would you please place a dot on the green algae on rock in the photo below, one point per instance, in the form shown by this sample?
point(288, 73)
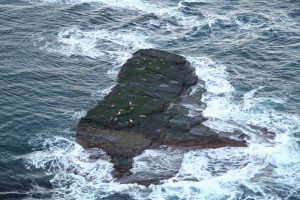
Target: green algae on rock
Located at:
point(142, 111)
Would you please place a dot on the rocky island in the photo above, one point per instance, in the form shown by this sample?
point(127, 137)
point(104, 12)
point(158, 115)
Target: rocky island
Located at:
point(143, 111)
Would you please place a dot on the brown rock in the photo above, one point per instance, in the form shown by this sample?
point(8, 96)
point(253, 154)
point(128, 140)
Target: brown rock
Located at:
point(142, 111)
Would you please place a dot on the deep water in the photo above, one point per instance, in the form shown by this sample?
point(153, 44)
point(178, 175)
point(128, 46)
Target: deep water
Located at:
point(58, 58)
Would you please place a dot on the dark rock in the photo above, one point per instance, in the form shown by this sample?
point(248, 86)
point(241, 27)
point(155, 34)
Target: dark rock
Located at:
point(144, 179)
point(265, 132)
point(241, 135)
point(142, 111)
point(201, 130)
point(183, 123)
point(244, 136)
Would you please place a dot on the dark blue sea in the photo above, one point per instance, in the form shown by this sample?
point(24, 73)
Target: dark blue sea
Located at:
point(58, 58)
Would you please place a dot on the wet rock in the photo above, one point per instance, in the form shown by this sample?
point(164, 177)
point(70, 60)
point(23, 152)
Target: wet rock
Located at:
point(183, 123)
point(244, 136)
point(201, 130)
point(240, 134)
point(268, 134)
point(145, 179)
point(143, 111)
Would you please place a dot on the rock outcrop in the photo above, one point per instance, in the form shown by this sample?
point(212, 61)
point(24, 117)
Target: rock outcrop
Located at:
point(142, 111)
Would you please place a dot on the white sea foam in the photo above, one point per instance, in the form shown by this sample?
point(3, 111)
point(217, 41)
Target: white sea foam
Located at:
point(251, 93)
point(100, 94)
point(278, 158)
point(79, 114)
point(74, 169)
point(138, 5)
point(97, 43)
point(110, 46)
point(164, 11)
point(158, 161)
point(262, 171)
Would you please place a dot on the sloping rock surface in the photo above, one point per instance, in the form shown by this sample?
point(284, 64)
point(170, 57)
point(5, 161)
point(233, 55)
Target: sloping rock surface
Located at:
point(142, 111)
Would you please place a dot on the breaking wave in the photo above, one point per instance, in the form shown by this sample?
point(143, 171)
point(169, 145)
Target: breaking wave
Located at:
point(267, 169)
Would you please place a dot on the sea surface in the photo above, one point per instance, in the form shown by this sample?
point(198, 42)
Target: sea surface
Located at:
point(58, 58)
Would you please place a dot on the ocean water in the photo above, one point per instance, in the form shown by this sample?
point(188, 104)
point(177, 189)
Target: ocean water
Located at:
point(58, 58)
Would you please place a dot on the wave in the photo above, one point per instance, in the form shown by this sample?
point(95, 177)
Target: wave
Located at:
point(111, 46)
point(74, 170)
point(273, 163)
point(267, 169)
point(96, 43)
point(186, 14)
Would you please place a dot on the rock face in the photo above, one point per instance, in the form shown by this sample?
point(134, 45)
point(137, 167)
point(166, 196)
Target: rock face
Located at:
point(142, 111)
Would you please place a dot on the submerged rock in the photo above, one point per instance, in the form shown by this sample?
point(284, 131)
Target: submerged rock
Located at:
point(142, 111)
